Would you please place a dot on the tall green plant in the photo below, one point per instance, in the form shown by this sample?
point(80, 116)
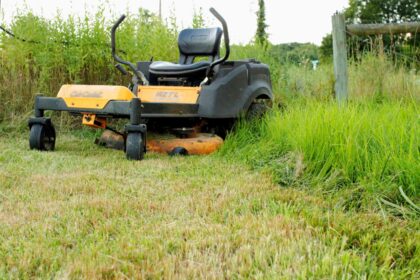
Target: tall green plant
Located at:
point(198, 19)
point(261, 36)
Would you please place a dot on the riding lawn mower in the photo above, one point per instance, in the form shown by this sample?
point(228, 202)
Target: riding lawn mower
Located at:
point(196, 102)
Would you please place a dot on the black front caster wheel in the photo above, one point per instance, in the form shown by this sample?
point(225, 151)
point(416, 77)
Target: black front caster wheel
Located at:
point(42, 137)
point(134, 147)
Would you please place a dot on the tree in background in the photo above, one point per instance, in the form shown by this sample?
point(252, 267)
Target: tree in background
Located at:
point(294, 53)
point(326, 49)
point(261, 37)
point(380, 11)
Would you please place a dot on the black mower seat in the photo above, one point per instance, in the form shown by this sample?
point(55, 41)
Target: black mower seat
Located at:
point(168, 68)
point(192, 43)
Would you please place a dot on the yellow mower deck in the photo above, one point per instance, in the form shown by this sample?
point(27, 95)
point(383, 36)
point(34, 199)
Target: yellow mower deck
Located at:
point(199, 144)
point(86, 97)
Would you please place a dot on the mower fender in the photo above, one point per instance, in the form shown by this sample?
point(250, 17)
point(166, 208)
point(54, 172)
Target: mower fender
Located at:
point(258, 91)
point(231, 95)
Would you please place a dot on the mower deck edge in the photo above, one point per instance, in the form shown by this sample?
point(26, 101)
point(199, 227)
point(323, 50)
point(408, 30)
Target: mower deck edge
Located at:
point(121, 109)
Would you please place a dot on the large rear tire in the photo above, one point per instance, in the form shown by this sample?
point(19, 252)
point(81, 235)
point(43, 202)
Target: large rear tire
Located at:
point(257, 110)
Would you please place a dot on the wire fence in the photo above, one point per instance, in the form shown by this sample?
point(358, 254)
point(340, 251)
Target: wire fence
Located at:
point(403, 49)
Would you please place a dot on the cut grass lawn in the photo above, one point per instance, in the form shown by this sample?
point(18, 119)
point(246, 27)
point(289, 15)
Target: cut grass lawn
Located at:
point(86, 212)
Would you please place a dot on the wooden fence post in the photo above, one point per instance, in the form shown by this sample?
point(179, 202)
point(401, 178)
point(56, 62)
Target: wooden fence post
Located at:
point(340, 57)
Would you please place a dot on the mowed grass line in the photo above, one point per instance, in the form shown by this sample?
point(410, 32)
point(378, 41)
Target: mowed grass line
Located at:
point(86, 212)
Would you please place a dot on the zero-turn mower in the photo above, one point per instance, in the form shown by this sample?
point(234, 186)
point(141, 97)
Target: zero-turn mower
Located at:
point(196, 102)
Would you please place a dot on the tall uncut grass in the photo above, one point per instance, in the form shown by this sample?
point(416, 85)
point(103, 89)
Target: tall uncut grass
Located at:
point(372, 148)
point(73, 50)
point(373, 77)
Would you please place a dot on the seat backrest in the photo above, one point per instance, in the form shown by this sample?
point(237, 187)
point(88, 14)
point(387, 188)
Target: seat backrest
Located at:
point(199, 42)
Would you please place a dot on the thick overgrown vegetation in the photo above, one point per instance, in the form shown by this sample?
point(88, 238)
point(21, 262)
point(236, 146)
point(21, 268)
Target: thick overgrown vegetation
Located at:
point(364, 152)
